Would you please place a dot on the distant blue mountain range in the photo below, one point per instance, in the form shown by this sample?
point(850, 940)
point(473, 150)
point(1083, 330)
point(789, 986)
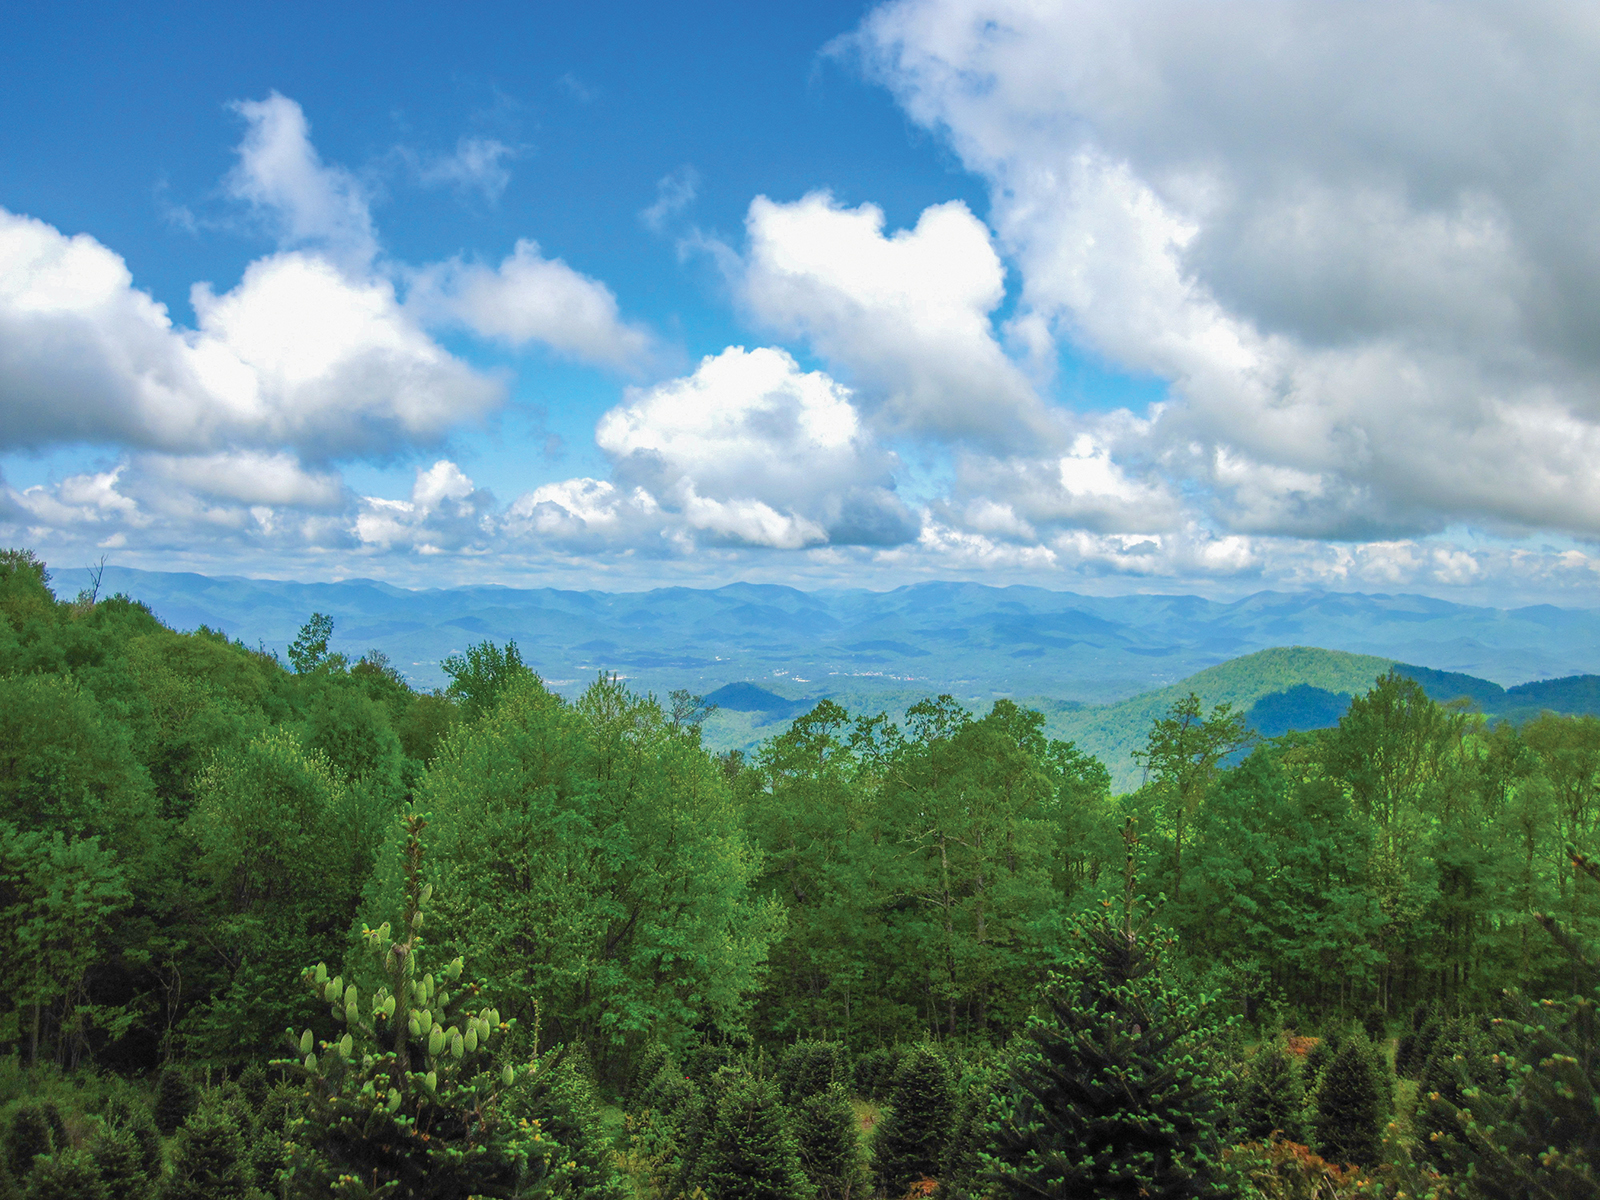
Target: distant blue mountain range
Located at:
point(973, 641)
point(1099, 668)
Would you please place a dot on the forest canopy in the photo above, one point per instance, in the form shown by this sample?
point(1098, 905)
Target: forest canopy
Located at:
point(943, 915)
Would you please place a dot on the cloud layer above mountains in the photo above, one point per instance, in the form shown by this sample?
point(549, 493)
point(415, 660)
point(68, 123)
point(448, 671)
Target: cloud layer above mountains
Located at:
point(1357, 245)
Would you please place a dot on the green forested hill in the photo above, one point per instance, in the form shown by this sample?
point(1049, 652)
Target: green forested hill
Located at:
point(1111, 732)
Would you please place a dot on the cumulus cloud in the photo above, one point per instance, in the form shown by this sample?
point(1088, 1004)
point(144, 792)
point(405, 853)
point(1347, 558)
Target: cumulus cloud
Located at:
point(297, 355)
point(529, 298)
point(752, 449)
point(1361, 246)
point(905, 316)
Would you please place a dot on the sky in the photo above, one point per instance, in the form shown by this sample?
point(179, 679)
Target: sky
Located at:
point(1100, 295)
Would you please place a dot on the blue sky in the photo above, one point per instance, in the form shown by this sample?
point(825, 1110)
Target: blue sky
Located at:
point(1101, 296)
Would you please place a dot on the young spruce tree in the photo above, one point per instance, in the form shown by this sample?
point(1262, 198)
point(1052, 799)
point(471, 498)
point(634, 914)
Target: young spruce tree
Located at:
point(751, 1154)
point(1272, 1097)
point(1348, 1124)
point(912, 1138)
point(1112, 1094)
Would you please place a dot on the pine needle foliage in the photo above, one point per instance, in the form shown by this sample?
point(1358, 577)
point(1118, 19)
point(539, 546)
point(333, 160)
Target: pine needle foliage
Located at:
point(912, 1139)
point(1112, 1094)
point(829, 1141)
point(1349, 1114)
point(208, 1158)
point(1536, 1137)
point(1272, 1097)
point(408, 1103)
point(752, 1155)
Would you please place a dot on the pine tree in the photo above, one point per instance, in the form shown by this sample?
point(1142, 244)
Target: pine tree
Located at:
point(912, 1139)
point(28, 1134)
point(829, 1140)
point(135, 1119)
point(1535, 1136)
point(176, 1097)
point(1461, 1061)
point(408, 1101)
point(1272, 1097)
point(752, 1154)
point(67, 1174)
point(1111, 1095)
point(1348, 1119)
point(120, 1163)
point(809, 1067)
point(208, 1160)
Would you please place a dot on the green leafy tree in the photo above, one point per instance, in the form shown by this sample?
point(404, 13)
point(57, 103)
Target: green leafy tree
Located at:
point(1184, 751)
point(1113, 1092)
point(309, 650)
point(479, 677)
point(598, 867)
point(912, 1137)
point(59, 901)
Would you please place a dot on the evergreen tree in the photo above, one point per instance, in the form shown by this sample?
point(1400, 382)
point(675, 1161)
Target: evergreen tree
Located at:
point(28, 1134)
point(1461, 1061)
point(176, 1097)
point(133, 1117)
point(913, 1136)
point(809, 1067)
point(118, 1159)
point(408, 1101)
point(208, 1160)
point(1348, 1119)
point(829, 1141)
point(562, 1099)
point(1323, 1052)
point(1272, 1096)
point(1110, 1094)
point(751, 1154)
point(68, 1174)
point(1535, 1136)
point(874, 1072)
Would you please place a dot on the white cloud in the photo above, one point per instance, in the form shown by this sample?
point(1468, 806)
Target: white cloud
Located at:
point(305, 201)
point(530, 298)
point(297, 355)
point(754, 449)
point(904, 317)
point(1362, 246)
point(477, 165)
point(674, 193)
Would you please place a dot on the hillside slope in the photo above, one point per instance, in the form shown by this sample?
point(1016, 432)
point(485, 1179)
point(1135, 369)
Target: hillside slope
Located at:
point(1112, 732)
